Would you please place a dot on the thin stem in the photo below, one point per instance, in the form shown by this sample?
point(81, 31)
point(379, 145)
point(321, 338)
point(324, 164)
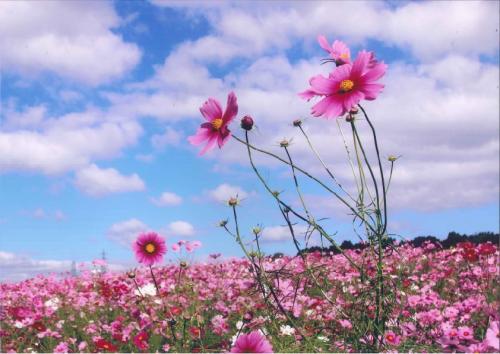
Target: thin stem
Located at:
point(323, 164)
point(380, 167)
point(249, 146)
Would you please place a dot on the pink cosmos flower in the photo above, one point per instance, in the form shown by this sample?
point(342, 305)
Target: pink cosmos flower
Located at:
point(149, 248)
point(215, 130)
point(346, 86)
point(338, 50)
point(391, 338)
point(253, 342)
point(465, 333)
point(493, 335)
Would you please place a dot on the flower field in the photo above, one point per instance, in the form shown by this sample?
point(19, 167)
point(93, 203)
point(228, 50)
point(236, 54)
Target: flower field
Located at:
point(438, 301)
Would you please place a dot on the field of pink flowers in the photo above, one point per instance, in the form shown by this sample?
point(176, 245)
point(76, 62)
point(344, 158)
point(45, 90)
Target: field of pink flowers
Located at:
point(440, 301)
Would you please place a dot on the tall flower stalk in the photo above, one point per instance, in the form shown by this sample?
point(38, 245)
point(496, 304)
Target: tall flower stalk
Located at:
point(340, 94)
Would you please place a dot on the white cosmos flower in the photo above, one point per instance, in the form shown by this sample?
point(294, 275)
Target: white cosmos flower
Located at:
point(52, 303)
point(146, 290)
point(287, 330)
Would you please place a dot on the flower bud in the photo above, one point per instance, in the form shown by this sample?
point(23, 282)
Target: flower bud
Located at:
point(256, 230)
point(284, 143)
point(232, 201)
point(247, 122)
point(183, 264)
point(392, 158)
point(131, 275)
point(297, 123)
point(222, 223)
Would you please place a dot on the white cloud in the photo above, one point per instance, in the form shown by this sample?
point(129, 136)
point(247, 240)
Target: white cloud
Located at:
point(169, 137)
point(167, 199)
point(282, 233)
point(65, 143)
point(70, 38)
point(224, 192)
point(96, 181)
point(180, 228)
point(125, 232)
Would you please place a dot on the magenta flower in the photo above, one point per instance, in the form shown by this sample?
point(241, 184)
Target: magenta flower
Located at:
point(149, 248)
point(215, 130)
point(253, 342)
point(392, 338)
point(338, 50)
point(346, 86)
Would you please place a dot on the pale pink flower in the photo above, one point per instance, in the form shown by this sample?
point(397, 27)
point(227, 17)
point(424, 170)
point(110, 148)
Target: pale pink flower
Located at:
point(215, 130)
point(391, 338)
point(346, 86)
point(492, 335)
point(338, 50)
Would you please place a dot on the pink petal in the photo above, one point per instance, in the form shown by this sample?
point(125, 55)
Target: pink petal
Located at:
point(210, 144)
point(371, 90)
point(340, 73)
point(360, 64)
point(223, 137)
point(211, 109)
point(231, 108)
point(323, 86)
point(351, 99)
point(323, 42)
point(201, 135)
point(307, 94)
point(330, 107)
point(375, 73)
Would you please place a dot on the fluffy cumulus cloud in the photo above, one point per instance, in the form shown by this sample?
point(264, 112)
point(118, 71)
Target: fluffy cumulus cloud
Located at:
point(31, 140)
point(440, 112)
point(180, 228)
point(72, 39)
point(125, 232)
point(223, 192)
point(167, 199)
point(97, 182)
point(282, 233)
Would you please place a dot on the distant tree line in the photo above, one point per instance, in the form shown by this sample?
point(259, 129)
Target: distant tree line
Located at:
point(451, 241)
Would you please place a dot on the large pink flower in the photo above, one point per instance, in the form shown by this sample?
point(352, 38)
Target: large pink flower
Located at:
point(339, 51)
point(215, 130)
point(346, 86)
point(149, 248)
point(253, 342)
point(493, 335)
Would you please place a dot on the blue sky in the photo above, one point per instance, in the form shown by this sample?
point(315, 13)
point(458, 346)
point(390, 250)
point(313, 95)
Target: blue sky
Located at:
point(98, 98)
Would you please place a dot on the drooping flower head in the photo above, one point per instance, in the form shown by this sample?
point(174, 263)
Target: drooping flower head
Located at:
point(149, 248)
point(215, 129)
point(339, 51)
point(253, 342)
point(346, 86)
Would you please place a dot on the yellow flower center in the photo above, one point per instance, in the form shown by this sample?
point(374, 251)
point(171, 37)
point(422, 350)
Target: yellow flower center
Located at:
point(344, 56)
point(346, 85)
point(217, 123)
point(150, 248)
